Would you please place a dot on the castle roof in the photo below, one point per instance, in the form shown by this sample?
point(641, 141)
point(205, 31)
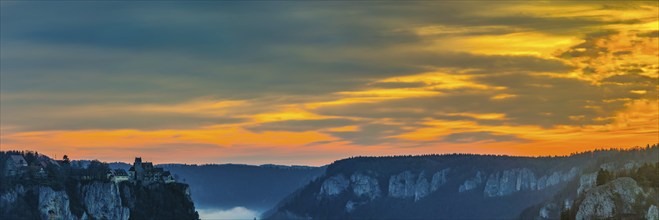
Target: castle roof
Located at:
point(18, 159)
point(120, 172)
point(147, 165)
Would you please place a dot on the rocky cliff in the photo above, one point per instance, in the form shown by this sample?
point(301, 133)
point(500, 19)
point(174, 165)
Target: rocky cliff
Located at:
point(626, 190)
point(99, 201)
point(364, 185)
point(451, 186)
point(103, 201)
point(52, 204)
point(615, 198)
point(92, 200)
point(43, 188)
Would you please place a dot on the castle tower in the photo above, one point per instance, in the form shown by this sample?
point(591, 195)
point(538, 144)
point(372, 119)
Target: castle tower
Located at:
point(139, 169)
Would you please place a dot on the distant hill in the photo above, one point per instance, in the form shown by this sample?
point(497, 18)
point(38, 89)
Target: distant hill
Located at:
point(231, 185)
point(463, 186)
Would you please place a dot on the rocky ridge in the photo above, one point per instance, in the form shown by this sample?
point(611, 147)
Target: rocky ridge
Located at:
point(90, 200)
point(614, 198)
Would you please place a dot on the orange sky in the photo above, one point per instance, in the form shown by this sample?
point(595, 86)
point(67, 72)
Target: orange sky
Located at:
point(310, 83)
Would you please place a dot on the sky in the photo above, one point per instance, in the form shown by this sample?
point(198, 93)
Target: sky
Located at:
point(294, 82)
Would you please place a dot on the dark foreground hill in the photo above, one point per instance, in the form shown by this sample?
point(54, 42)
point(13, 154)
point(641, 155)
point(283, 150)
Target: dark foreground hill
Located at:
point(462, 186)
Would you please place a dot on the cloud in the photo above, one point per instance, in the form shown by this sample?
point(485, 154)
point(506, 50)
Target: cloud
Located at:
point(539, 100)
point(482, 136)
point(653, 34)
point(29, 115)
point(393, 85)
point(332, 74)
point(487, 63)
point(145, 121)
point(370, 134)
point(301, 125)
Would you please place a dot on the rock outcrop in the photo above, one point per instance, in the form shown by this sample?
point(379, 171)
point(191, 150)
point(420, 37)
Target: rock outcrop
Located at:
point(652, 213)
point(50, 204)
point(461, 186)
point(97, 200)
point(439, 179)
point(402, 185)
point(509, 181)
point(472, 183)
point(102, 200)
point(422, 187)
point(334, 185)
point(630, 166)
point(409, 185)
point(614, 198)
point(611, 167)
point(546, 210)
point(350, 206)
point(523, 179)
point(10, 197)
point(553, 179)
point(364, 185)
point(556, 177)
point(586, 182)
point(54, 204)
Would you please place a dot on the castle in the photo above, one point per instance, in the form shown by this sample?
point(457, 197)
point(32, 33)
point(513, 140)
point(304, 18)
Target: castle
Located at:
point(145, 173)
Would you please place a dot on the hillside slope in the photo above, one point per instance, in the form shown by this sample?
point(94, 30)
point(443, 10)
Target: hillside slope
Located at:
point(449, 186)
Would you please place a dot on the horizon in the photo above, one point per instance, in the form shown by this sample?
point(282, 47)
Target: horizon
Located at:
point(654, 145)
point(313, 82)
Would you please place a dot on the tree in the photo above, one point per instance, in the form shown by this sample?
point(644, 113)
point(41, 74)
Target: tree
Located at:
point(566, 214)
point(603, 176)
point(66, 159)
point(97, 169)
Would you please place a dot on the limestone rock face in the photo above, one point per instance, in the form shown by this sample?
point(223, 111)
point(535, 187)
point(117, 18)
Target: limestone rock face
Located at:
point(472, 183)
point(402, 185)
point(54, 204)
point(350, 206)
point(546, 210)
point(364, 185)
point(586, 182)
point(100, 201)
point(630, 166)
point(653, 213)
point(9, 198)
point(409, 185)
point(553, 179)
point(103, 201)
point(570, 174)
point(556, 177)
point(615, 197)
point(608, 167)
point(438, 179)
point(422, 187)
point(334, 185)
point(510, 181)
point(97, 200)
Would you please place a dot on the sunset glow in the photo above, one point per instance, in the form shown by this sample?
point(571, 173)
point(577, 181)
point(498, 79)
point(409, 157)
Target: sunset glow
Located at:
point(313, 82)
